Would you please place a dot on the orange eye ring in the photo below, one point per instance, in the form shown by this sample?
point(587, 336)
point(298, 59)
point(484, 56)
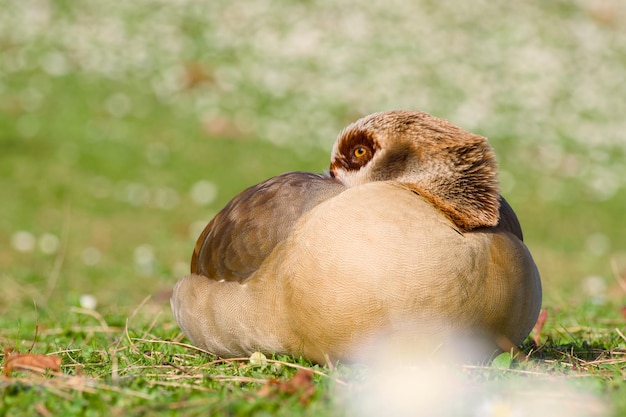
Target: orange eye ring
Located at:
point(359, 151)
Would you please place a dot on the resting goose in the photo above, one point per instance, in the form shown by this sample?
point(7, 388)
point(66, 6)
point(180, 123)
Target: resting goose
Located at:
point(407, 233)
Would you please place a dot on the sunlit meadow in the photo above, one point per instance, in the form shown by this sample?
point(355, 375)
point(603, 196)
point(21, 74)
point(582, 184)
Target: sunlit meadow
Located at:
point(125, 126)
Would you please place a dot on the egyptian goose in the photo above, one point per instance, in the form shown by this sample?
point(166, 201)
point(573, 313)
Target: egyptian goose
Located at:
point(406, 233)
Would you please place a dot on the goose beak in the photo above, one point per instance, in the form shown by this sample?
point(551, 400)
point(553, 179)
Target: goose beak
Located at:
point(335, 171)
point(337, 175)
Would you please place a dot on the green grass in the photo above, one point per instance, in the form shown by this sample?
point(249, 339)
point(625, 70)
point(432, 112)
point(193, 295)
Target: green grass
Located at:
point(134, 362)
point(112, 115)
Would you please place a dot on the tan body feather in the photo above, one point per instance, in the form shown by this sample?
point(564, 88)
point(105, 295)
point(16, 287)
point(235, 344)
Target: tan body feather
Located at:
point(311, 267)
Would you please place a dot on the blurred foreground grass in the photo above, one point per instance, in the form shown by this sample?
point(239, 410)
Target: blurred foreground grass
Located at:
point(125, 127)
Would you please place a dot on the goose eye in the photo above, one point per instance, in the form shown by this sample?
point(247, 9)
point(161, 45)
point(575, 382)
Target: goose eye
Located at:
point(359, 151)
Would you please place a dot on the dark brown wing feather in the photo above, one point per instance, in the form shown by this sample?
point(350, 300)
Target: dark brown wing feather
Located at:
point(508, 220)
point(244, 233)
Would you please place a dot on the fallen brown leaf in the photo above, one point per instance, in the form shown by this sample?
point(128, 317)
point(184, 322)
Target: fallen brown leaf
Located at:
point(222, 126)
point(195, 74)
point(300, 384)
point(30, 361)
point(541, 320)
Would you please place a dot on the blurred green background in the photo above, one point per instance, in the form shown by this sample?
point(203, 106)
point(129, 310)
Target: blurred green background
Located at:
point(125, 126)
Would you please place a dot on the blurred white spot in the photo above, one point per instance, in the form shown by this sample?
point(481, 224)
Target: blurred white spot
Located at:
point(23, 241)
point(31, 99)
point(91, 256)
point(144, 259)
point(550, 156)
point(411, 391)
point(118, 105)
point(166, 198)
point(196, 228)
point(157, 153)
point(599, 155)
point(570, 166)
point(603, 182)
point(497, 407)
point(203, 192)
point(168, 82)
point(598, 244)
point(55, 64)
point(88, 302)
point(595, 287)
point(136, 194)
point(48, 243)
point(401, 383)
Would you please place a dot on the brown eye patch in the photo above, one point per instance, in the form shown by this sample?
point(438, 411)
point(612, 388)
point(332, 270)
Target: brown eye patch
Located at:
point(356, 149)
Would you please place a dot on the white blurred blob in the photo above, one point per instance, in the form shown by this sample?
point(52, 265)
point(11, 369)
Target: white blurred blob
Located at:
point(603, 182)
point(144, 259)
point(55, 64)
point(403, 382)
point(91, 256)
point(88, 302)
point(196, 228)
point(168, 82)
point(118, 105)
point(203, 192)
point(157, 153)
point(31, 99)
point(570, 166)
point(48, 243)
point(136, 194)
point(598, 244)
point(23, 241)
point(595, 287)
point(165, 198)
point(550, 156)
point(394, 389)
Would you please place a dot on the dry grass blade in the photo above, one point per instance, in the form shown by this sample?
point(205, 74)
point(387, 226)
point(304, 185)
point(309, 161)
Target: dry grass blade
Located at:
point(53, 277)
point(619, 275)
point(545, 374)
point(62, 383)
point(182, 405)
point(94, 314)
point(185, 345)
point(180, 385)
point(275, 361)
point(82, 329)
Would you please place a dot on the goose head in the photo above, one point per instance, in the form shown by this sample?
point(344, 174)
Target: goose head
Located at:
point(454, 169)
